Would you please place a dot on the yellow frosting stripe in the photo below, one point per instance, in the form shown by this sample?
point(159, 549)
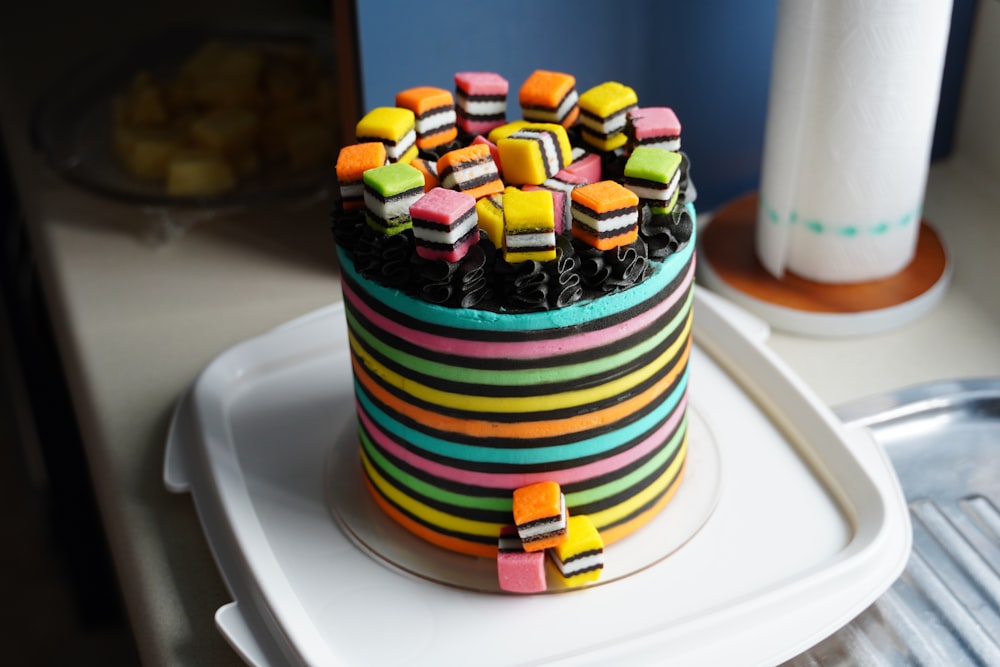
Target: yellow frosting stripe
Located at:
point(445, 541)
point(519, 404)
point(621, 530)
point(425, 513)
point(522, 429)
point(646, 496)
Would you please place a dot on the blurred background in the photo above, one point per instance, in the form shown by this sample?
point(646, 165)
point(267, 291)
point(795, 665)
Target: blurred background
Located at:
point(709, 61)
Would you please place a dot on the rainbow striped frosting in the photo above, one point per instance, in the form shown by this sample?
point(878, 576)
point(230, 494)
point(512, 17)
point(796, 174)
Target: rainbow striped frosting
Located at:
point(459, 407)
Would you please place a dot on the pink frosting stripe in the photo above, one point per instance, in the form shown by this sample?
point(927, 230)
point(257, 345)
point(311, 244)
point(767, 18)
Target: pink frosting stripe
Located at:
point(517, 480)
point(496, 350)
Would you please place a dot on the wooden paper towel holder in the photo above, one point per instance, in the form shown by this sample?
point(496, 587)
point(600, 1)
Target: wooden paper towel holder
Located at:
point(728, 264)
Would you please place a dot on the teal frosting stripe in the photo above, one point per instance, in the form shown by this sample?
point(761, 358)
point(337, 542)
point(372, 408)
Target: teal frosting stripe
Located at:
point(514, 378)
point(522, 456)
point(472, 319)
point(414, 485)
point(598, 493)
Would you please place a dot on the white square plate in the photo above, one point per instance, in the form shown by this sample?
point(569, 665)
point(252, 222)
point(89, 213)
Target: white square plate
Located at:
point(809, 529)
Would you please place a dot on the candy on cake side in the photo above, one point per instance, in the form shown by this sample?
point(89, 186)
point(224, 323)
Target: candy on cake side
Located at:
point(528, 325)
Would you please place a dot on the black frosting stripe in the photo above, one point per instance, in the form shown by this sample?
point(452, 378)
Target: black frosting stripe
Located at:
point(646, 506)
point(475, 514)
point(472, 490)
point(532, 388)
point(515, 417)
point(423, 476)
point(548, 441)
point(468, 537)
point(501, 364)
point(504, 518)
point(629, 492)
point(534, 335)
point(407, 347)
point(511, 443)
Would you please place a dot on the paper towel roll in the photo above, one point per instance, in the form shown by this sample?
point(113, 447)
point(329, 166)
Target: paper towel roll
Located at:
point(854, 94)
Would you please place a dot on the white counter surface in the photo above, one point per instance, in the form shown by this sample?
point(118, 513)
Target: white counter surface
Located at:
point(136, 323)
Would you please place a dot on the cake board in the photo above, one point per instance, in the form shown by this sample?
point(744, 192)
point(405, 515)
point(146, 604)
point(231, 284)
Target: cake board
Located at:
point(728, 265)
point(777, 567)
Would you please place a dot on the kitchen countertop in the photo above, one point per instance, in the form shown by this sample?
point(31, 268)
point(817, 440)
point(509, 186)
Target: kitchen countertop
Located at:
point(136, 323)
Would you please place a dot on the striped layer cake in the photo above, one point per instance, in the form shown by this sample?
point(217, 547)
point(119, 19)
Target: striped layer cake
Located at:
point(457, 407)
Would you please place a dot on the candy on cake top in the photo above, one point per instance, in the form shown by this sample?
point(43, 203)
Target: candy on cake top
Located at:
point(573, 201)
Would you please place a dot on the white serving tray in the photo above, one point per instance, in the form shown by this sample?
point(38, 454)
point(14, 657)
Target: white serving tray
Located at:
point(809, 529)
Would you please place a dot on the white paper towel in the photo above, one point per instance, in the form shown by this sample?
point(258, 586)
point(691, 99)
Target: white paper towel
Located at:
point(854, 95)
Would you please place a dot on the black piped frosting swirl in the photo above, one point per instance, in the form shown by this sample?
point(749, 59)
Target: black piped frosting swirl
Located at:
point(463, 284)
point(385, 259)
point(665, 233)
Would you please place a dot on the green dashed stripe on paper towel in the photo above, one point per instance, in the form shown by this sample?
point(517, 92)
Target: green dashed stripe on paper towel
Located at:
point(847, 231)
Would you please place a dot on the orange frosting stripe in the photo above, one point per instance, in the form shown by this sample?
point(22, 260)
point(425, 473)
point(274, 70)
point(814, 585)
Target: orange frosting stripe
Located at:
point(475, 403)
point(624, 529)
point(420, 530)
point(482, 428)
point(609, 535)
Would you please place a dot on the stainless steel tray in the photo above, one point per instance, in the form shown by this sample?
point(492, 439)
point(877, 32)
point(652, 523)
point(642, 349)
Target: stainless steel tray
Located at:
point(944, 441)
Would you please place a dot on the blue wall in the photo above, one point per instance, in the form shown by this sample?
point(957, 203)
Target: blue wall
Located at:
point(710, 64)
point(710, 61)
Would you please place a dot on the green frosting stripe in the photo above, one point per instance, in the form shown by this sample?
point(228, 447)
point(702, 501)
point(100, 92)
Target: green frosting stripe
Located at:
point(513, 378)
point(415, 485)
point(622, 484)
point(458, 451)
point(423, 490)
